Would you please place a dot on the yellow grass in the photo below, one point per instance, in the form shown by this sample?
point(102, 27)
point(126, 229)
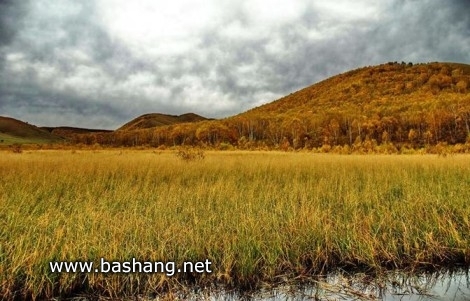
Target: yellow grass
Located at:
point(254, 215)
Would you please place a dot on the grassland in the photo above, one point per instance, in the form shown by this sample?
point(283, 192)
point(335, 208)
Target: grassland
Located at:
point(256, 216)
point(7, 140)
point(13, 131)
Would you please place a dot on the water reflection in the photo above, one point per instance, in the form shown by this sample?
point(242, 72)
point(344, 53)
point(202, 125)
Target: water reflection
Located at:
point(394, 286)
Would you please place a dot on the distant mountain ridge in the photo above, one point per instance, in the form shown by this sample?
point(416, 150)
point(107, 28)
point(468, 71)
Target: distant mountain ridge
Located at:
point(16, 131)
point(68, 131)
point(392, 105)
point(159, 119)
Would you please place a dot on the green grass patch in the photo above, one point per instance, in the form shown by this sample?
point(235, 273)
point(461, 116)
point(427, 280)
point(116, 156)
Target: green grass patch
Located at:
point(6, 139)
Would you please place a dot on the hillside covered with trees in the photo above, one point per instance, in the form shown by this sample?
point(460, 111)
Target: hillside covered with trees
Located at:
point(389, 106)
point(156, 119)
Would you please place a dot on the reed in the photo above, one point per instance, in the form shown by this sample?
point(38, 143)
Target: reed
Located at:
point(254, 215)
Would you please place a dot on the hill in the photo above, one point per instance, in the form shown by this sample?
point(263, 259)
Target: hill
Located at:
point(399, 103)
point(157, 119)
point(393, 105)
point(68, 132)
point(16, 131)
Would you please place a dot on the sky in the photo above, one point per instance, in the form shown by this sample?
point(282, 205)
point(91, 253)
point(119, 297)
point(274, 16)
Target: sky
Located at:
point(101, 63)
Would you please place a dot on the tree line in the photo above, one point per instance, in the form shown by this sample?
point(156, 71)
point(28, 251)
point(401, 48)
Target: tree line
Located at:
point(399, 105)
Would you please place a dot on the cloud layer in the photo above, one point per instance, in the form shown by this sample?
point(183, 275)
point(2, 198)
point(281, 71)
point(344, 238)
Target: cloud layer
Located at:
point(101, 63)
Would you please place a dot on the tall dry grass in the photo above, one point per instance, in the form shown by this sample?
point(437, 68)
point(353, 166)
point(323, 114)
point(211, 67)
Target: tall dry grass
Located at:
point(255, 215)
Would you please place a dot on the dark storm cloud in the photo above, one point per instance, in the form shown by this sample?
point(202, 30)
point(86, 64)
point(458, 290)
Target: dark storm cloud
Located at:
point(296, 63)
point(11, 13)
point(424, 31)
point(49, 40)
point(57, 43)
point(61, 62)
point(407, 31)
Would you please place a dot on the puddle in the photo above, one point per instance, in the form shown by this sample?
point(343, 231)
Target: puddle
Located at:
point(392, 287)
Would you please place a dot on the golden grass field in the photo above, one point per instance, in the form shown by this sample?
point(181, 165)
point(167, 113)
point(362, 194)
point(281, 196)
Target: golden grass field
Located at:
point(255, 215)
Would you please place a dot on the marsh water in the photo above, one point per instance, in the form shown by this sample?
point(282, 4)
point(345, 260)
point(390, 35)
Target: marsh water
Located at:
point(395, 286)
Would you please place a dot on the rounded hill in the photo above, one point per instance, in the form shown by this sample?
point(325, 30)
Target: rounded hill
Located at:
point(157, 119)
point(16, 131)
point(394, 104)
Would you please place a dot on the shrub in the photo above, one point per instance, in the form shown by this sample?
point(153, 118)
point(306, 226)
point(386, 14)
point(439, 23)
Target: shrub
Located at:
point(16, 148)
point(225, 146)
point(326, 148)
point(190, 154)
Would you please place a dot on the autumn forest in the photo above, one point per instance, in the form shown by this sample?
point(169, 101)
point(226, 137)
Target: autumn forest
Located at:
point(381, 108)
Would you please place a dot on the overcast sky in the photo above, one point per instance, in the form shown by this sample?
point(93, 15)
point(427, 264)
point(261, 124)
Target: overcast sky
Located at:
point(100, 63)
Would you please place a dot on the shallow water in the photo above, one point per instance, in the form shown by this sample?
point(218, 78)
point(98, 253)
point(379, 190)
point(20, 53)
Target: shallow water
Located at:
point(391, 287)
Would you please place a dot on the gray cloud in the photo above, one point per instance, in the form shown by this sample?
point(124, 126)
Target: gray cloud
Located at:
point(10, 18)
point(67, 63)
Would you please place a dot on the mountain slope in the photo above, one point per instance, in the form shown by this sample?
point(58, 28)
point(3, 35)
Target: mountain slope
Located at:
point(69, 132)
point(375, 88)
point(16, 131)
point(401, 103)
point(394, 105)
point(158, 119)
